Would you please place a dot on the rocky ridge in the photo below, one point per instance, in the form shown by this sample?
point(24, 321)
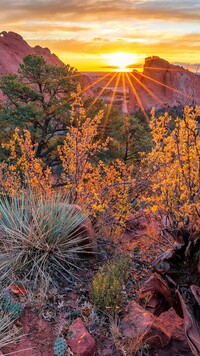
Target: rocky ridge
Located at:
point(163, 85)
point(13, 48)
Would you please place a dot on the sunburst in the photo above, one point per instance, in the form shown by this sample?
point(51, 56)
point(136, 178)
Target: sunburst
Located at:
point(120, 60)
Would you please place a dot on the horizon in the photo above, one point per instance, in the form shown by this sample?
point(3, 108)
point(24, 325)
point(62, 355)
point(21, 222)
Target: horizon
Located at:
point(103, 36)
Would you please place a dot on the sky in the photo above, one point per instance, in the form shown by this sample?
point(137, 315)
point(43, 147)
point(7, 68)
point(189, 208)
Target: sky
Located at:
point(86, 33)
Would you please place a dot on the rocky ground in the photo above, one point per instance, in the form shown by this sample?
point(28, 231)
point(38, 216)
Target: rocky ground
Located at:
point(131, 331)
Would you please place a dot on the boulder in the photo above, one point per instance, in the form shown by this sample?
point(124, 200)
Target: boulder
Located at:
point(87, 232)
point(79, 339)
point(139, 323)
point(175, 327)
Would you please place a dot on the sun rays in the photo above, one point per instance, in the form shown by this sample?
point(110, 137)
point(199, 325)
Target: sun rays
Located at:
point(130, 82)
point(127, 83)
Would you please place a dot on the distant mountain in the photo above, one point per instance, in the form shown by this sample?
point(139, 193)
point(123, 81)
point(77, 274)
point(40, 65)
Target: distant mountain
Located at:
point(163, 85)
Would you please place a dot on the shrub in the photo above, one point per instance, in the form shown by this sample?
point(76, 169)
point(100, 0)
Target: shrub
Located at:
point(107, 289)
point(172, 168)
point(41, 238)
point(105, 190)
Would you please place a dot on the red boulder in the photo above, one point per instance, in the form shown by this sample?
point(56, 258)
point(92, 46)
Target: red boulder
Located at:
point(139, 323)
point(80, 341)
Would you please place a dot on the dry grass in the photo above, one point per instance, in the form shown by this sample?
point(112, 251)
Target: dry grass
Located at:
point(127, 346)
point(9, 333)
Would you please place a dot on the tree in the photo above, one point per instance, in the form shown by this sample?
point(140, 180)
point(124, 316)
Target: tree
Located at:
point(39, 99)
point(130, 137)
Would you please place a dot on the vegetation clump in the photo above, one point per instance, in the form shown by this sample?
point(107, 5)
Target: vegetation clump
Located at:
point(39, 98)
point(41, 238)
point(108, 285)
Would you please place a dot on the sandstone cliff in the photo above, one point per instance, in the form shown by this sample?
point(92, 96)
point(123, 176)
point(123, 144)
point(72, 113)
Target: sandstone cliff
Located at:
point(163, 85)
point(13, 48)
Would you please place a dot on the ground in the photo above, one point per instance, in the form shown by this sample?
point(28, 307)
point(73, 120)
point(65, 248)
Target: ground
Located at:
point(42, 322)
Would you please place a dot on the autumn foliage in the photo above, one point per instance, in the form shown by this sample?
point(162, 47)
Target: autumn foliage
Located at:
point(172, 168)
point(102, 190)
point(23, 169)
point(170, 172)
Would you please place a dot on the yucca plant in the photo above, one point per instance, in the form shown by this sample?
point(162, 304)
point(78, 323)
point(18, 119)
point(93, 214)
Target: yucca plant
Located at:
point(40, 237)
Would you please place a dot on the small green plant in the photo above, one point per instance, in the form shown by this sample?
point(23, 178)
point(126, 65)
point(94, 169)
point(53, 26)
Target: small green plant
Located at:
point(5, 301)
point(15, 309)
point(107, 288)
point(60, 346)
point(42, 238)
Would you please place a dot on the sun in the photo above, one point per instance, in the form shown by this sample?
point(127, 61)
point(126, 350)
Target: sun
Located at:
point(120, 60)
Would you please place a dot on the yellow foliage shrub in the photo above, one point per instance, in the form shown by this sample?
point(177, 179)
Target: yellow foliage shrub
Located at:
point(24, 168)
point(100, 189)
point(172, 168)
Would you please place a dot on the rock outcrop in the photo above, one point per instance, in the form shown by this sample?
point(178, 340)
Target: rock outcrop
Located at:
point(163, 85)
point(13, 48)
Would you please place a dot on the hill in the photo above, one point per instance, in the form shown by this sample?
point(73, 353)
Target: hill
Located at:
point(13, 48)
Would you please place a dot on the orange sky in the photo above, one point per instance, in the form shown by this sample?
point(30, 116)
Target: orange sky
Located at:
point(84, 33)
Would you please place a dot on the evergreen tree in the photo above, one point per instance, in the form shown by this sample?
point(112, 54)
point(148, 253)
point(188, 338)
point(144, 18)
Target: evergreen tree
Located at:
point(39, 99)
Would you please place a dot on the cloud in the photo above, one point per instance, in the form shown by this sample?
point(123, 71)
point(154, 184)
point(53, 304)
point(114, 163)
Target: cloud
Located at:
point(100, 39)
point(134, 66)
point(48, 27)
point(89, 10)
point(94, 47)
point(166, 28)
point(109, 67)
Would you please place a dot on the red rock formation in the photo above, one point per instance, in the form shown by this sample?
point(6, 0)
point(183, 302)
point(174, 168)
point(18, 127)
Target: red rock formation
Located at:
point(86, 83)
point(13, 48)
point(170, 86)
